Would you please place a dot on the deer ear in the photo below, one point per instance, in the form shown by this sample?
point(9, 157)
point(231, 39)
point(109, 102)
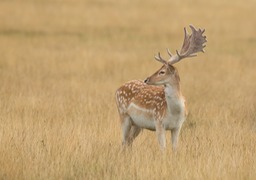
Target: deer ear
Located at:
point(177, 75)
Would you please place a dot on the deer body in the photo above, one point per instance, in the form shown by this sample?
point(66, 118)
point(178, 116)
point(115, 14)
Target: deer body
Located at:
point(156, 108)
point(157, 103)
point(144, 111)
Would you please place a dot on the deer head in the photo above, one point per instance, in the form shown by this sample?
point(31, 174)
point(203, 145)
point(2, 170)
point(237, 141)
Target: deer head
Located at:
point(192, 44)
point(166, 74)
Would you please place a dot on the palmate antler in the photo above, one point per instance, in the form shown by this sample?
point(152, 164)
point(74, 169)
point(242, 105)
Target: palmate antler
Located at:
point(192, 44)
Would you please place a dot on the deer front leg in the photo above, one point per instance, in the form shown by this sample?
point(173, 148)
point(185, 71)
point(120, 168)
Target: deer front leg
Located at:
point(175, 136)
point(160, 132)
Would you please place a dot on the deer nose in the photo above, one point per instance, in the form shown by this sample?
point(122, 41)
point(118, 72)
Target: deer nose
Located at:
point(146, 80)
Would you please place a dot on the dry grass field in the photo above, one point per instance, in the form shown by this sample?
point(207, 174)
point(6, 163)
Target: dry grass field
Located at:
point(62, 60)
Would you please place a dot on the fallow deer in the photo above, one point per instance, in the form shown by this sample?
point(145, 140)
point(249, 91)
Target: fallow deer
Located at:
point(157, 103)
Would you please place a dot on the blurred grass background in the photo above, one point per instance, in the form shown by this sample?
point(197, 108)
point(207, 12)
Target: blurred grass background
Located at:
point(62, 60)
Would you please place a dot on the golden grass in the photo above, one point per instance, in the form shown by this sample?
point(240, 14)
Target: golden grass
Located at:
point(61, 62)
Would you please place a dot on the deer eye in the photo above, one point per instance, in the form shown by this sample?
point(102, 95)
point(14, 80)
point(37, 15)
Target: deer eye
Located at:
point(161, 72)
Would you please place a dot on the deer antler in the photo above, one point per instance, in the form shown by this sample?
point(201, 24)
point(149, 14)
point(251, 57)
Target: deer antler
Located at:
point(192, 44)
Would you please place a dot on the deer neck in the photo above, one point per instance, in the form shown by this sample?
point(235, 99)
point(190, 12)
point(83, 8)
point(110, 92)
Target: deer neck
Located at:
point(173, 97)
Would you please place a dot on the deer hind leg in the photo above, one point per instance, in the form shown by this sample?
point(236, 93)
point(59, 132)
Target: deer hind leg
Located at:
point(134, 132)
point(160, 132)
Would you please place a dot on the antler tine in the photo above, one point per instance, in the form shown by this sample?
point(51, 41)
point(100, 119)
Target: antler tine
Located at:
point(169, 52)
point(193, 28)
point(185, 32)
point(160, 59)
point(178, 54)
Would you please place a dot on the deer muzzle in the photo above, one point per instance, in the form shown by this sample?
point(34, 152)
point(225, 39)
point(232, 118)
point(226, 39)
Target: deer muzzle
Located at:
point(146, 80)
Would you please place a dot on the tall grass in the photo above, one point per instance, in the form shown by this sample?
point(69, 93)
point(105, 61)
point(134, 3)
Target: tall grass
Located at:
point(61, 62)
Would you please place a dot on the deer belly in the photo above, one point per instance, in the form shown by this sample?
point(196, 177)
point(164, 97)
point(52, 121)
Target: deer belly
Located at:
point(142, 118)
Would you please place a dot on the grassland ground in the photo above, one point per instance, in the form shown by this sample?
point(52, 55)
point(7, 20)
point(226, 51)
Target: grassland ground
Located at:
point(61, 62)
